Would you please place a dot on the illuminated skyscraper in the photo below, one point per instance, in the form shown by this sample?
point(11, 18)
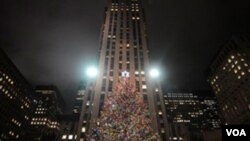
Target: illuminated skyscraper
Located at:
point(229, 75)
point(124, 48)
point(17, 100)
point(189, 112)
point(50, 105)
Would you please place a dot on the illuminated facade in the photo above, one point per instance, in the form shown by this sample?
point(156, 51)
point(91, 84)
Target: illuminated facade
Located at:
point(123, 48)
point(68, 127)
point(189, 112)
point(229, 75)
point(50, 104)
point(17, 102)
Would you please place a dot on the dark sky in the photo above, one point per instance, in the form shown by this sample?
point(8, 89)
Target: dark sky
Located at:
point(51, 41)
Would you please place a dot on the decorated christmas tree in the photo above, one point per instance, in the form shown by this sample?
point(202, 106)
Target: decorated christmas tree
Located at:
point(124, 116)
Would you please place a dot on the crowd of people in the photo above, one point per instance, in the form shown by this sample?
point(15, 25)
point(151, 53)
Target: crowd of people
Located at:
point(124, 117)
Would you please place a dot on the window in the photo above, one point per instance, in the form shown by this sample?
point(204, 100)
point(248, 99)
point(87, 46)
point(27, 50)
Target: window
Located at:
point(136, 72)
point(110, 85)
point(83, 129)
point(120, 65)
point(128, 67)
point(70, 137)
point(64, 137)
point(144, 86)
point(111, 73)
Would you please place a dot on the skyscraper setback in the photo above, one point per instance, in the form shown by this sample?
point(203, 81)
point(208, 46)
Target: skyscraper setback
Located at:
point(124, 48)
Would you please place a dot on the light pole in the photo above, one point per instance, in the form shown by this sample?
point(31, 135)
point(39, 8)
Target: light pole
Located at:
point(89, 76)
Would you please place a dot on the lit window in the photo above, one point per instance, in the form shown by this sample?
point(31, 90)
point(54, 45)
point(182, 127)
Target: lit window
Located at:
point(64, 137)
point(83, 129)
point(159, 113)
point(136, 72)
point(144, 87)
point(142, 72)
point(70, 137)
point(156, 90)
point(162, 130)
point(87, 103)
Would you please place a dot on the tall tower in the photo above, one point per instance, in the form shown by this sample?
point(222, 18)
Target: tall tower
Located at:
point(124, 48)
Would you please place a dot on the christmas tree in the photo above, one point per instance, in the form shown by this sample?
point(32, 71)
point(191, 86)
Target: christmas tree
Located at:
point(124, 116)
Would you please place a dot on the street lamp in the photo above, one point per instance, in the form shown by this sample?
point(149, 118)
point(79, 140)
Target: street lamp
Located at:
point(154, 73)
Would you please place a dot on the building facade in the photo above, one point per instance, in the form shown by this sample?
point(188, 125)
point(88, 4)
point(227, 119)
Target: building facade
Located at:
point(79, 98)
point(68, 127)
point(228, 75)
point(17, 100)
point(190, 112)
point(50, 105)
point(124, 48)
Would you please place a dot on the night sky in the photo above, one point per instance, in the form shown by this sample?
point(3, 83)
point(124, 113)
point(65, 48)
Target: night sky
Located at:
point(51, 41)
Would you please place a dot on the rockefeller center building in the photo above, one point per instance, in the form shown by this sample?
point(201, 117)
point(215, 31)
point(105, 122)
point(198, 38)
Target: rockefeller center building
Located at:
point(123, 48)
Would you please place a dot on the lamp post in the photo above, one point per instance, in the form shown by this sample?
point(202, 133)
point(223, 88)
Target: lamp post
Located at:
point(89, 76)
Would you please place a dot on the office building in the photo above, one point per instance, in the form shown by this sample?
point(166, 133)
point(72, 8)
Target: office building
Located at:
point(189, 112)
point(17, 100)
point(228, 75)
point(50, 105)
point(124, 48)
point(68, 127)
